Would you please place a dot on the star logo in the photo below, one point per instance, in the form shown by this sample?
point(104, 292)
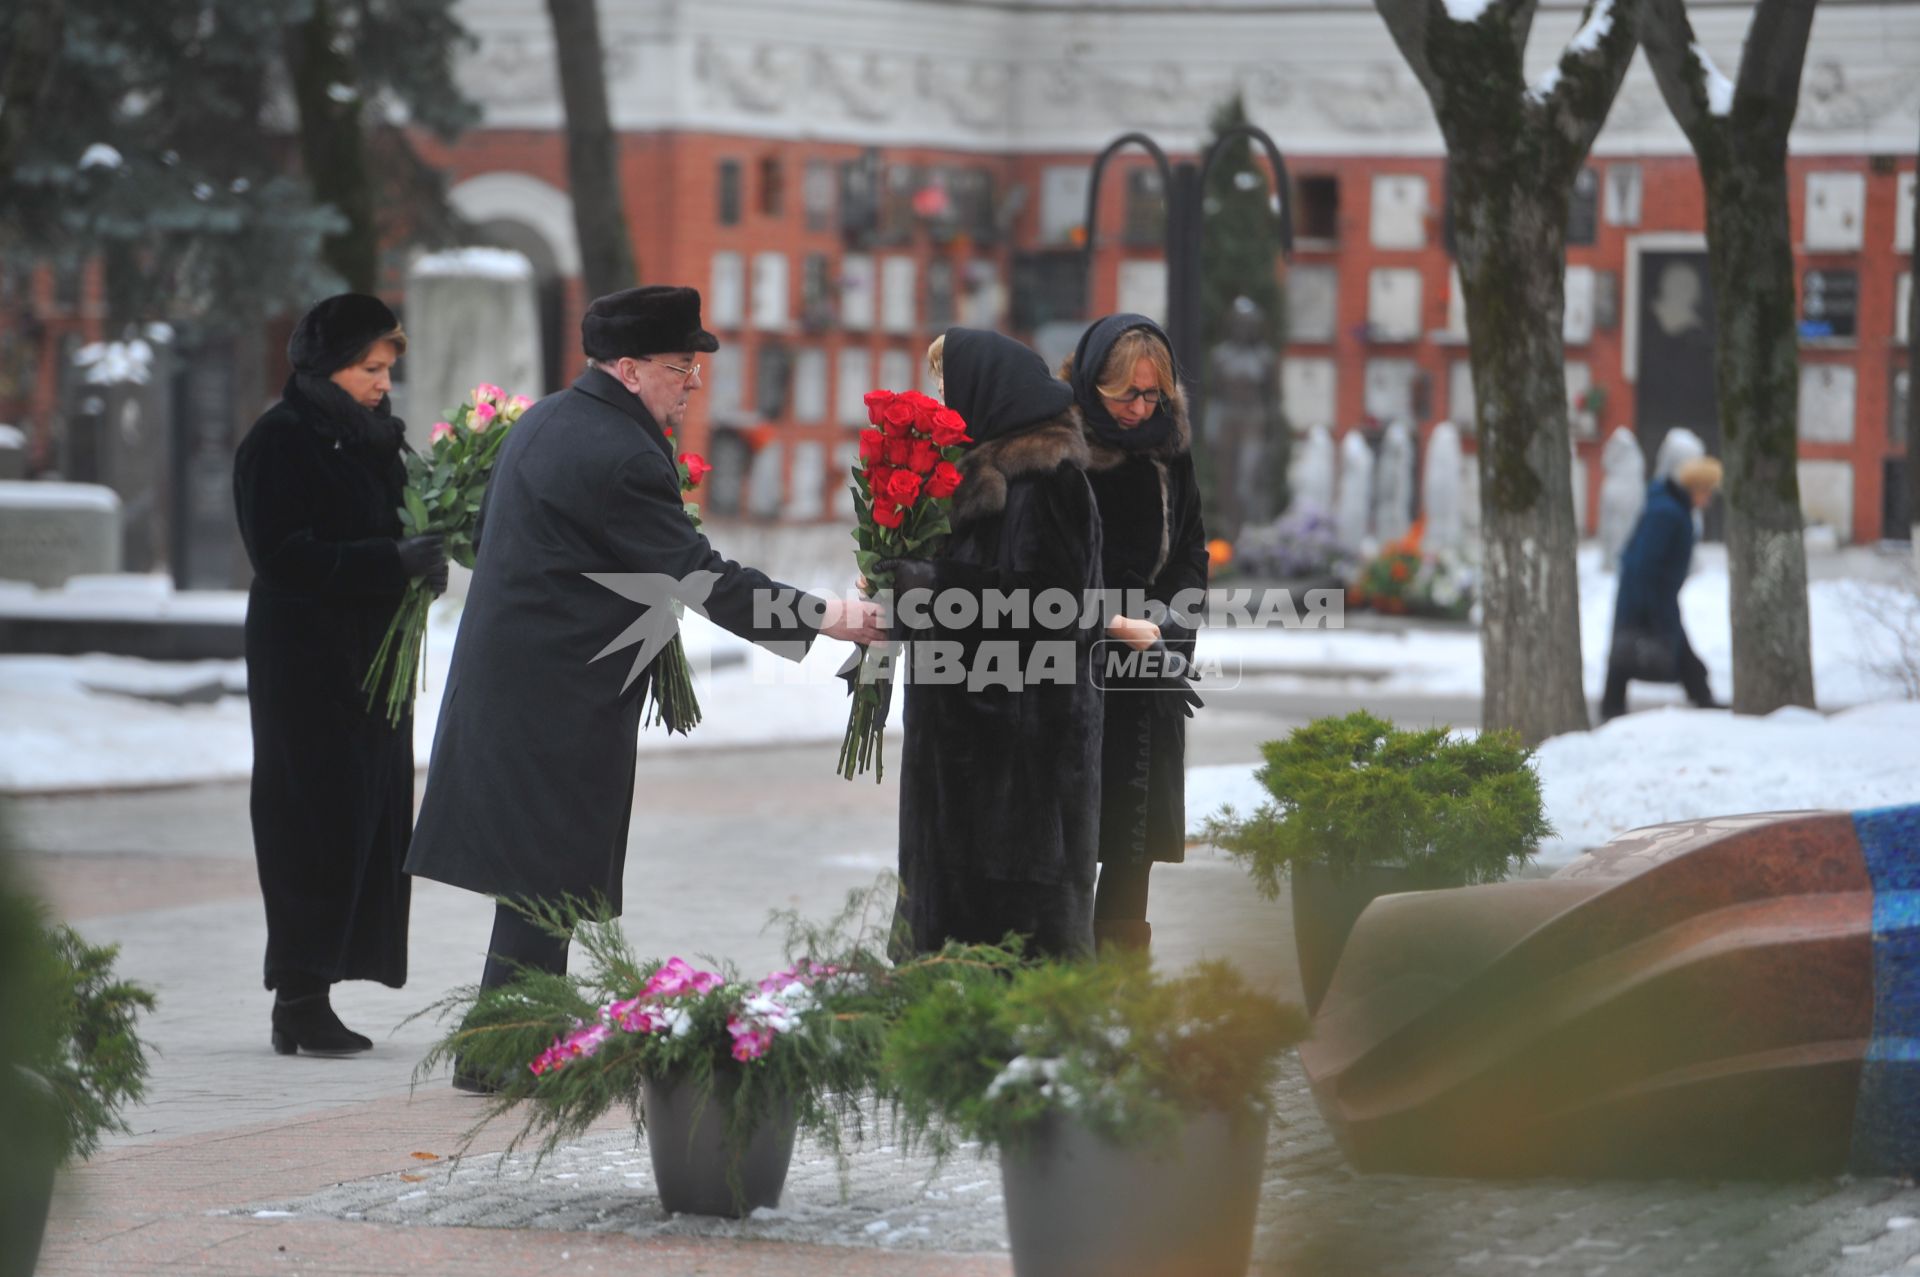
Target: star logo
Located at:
point(658, 596)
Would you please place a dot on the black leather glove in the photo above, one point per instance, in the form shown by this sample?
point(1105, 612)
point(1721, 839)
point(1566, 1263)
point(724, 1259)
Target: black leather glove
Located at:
point(906, 574)
point(421, 556)
point(1173, 694)
point(436, 580)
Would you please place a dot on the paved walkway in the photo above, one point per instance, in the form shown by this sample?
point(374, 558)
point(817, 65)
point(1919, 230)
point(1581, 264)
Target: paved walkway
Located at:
point(247, 1163)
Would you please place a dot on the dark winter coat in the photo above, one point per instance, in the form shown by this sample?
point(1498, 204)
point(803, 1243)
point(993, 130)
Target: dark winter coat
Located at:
point(530, 790)
point(1647, 635)
point(332, 797)
point(1153, 541)
point(1000, 788)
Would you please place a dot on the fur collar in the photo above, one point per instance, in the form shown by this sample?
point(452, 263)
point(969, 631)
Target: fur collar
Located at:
point(1104, 456)
point(990, 466)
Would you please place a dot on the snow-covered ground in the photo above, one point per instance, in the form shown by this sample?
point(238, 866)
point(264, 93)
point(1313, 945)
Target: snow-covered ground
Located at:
point(77, 723)
point(1683, 764)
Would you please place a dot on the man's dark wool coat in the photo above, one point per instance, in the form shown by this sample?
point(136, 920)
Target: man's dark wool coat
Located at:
point(531, 787)
point(1000, 788)
point(318, 494)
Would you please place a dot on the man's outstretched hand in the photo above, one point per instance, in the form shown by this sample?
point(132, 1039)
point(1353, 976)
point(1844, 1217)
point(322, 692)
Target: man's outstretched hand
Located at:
point(856, 620)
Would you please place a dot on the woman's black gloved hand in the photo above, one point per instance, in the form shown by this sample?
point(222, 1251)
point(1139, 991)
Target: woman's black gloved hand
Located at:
point(436, 580)
point(1172, 691)
point(906, 574)
point(424, 555)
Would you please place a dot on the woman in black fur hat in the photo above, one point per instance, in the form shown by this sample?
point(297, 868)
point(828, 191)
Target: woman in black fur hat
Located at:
point(1000, 785)
point(317, 484)
point(1141, 467)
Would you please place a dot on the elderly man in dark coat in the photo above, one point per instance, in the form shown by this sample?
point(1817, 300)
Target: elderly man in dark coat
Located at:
point(531, 785)
point(1649, 642)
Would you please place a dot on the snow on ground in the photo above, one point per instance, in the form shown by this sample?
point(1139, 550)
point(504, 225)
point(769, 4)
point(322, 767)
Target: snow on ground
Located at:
point(1682, 764)
point(76, 723)
point(1847, 617)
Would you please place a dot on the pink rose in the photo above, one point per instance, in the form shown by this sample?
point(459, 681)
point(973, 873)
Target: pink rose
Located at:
point(441, 429)
point(520, 403)
point(487, 392)
point(481, 417)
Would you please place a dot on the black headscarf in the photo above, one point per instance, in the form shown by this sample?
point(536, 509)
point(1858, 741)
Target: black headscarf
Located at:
point(1089, 357)
point(328, 338)
point(997, 385)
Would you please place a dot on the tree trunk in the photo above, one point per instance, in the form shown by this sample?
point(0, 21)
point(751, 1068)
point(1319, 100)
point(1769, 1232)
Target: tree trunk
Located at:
point(1511, 238)
point(1738, 131)
point(1757, 374)
point(593, 161)
point(37, 29)
point(332, 146)
point(1913, 385)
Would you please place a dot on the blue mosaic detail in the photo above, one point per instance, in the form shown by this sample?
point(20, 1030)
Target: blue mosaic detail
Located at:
point(1886, 1117)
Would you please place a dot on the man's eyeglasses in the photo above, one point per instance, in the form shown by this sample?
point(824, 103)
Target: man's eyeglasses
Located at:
point(686, 374)
point(1151, 398)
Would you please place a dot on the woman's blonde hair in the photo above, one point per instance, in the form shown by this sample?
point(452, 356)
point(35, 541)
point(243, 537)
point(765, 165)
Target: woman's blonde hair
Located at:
point(936, 357)
point(1699, 474)
point(398, 337)
point(1116, 375)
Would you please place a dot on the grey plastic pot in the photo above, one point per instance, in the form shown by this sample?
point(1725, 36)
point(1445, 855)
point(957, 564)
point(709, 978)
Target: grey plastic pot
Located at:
point(1079, 1205)
point(684, 1139)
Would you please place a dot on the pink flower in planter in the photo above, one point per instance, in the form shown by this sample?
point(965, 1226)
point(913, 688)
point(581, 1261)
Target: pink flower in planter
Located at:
point(676, 978)
point(750, 1040)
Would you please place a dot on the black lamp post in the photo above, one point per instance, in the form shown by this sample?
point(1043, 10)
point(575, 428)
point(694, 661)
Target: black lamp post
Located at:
point(1184, 184)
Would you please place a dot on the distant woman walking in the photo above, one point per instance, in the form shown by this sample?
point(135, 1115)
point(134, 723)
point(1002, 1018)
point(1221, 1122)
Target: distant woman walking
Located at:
point(317, 484)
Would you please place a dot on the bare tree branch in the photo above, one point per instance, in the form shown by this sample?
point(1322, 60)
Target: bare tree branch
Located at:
point(1590, 72)
point(1667, 36)
point(1407, 22)
point(1767, 93)
point(37, 29)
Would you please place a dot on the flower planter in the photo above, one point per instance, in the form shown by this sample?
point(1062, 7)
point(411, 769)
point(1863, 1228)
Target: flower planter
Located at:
point(685, 1139)
point(1079, 1205)
point(23, 1220)
point(1325, 909)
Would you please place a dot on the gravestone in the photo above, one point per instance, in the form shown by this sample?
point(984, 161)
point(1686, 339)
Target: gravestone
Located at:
point(1241, 434)
point(1353, 503)
point(51, 532)
point(1623, 493)
point(1440, 489)
point(1312, 475)
point(1676, 446)
point(205, 537)
point(1652, 997)
point(119, 433)
point(472, 316)
point(1393, 484)
point(13, 452)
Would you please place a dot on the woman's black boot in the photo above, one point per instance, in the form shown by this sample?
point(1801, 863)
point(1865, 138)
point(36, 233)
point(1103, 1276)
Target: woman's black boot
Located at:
point(308, 1024)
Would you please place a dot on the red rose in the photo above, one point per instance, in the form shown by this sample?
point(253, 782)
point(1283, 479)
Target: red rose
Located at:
point(887, 514)
point(898, 417)
point(877, 401)
point(926, 455)
point(899, 451)
point(697, 468)
point(873, 446)
point(877, 477)
point(948, 429)
point(903, 486)
point(946, 478)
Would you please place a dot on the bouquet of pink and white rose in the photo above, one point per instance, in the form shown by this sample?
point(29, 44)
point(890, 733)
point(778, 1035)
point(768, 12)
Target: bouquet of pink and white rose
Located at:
point(443, 494)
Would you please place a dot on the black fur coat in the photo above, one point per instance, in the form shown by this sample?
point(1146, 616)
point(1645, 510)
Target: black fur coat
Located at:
point(1153, 541)
point(1000, 788)
point(317, 489)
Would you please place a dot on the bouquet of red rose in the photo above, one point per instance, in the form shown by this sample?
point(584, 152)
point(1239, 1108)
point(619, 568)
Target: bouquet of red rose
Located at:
point(442, 496)
point(670, 688)
point(903, 487)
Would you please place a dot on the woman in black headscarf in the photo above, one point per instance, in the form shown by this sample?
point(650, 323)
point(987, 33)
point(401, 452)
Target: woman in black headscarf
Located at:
point(999, 789)
point(1141, 467)
point(317, 484)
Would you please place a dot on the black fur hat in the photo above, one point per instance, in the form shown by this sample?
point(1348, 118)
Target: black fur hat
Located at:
point(652, 320)
point(335, 331)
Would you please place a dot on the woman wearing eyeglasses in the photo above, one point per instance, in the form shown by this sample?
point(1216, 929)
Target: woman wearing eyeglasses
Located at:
point(1128, 391)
